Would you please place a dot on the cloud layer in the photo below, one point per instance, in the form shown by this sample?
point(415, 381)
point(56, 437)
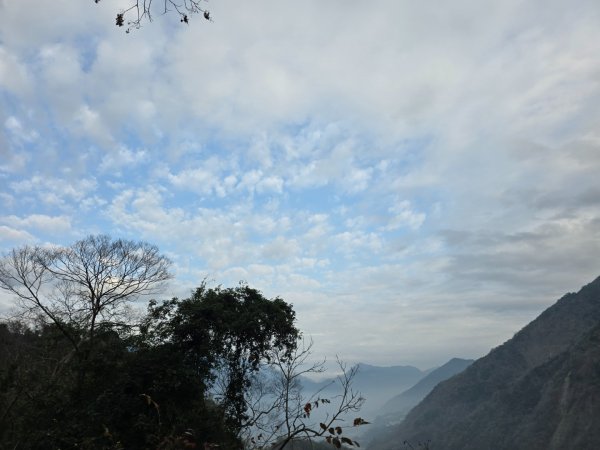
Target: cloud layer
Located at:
point(419, 180)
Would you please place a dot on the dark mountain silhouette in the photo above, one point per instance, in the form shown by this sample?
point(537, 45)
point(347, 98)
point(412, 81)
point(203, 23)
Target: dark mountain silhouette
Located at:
point(398, 407)
point(539, 390)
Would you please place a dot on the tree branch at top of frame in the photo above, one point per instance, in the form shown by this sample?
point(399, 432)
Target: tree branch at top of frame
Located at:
point(136, 12)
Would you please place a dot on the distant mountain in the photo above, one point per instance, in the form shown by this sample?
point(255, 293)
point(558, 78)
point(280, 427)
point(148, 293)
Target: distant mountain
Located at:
point(376, 384)
point(539, 390)
point(398, 407)
point(309, 444)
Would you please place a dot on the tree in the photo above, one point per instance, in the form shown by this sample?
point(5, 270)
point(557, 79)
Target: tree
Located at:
point(134, 397)
point(226, 335)
point(282, 416)
point(138, 11)
point(77, 371)
point(76, 288)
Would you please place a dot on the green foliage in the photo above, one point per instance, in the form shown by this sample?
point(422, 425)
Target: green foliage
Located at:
point(224, 335)
point(539, 390)
point(147, 386)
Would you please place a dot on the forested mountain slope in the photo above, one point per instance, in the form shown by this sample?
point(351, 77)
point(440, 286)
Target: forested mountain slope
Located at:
point(539, 390)
point(397, 407)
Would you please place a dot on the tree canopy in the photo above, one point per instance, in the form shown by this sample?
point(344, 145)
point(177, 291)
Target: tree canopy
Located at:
point(79, 286)
point(225, 334)
point(77, 371)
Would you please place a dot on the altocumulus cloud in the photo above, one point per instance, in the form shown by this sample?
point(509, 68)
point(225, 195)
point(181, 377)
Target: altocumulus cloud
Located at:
point(422, 175)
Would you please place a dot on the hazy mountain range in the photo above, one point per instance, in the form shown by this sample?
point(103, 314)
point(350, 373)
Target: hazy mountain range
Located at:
point(397, 407)
point(539, 390)
point(379, 384)
point(376, 384)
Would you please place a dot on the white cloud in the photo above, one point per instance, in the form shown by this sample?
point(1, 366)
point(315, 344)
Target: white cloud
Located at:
point(209, 234)
point(280, 249)
point(68, 21)
point(360, 244)
point(92, 203)
point(203, 180)
point(397, 164)
point(59, 192)
point(14, 236)
point(404, 216)
point(39, 222)
point(270, 184)
point(250, 180)
point(7, 200)
point(60, 64)
point(88, 122)
point(14, 75)
point(14, 162)
point(318, 228)
point(18, 132)
point(122, 158)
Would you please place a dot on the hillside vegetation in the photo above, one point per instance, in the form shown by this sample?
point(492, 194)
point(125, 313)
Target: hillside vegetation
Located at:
point(539, 390)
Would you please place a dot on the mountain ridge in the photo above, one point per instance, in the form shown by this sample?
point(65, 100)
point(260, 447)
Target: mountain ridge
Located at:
point(402, 403)
point(501, 400)
point(377, 384)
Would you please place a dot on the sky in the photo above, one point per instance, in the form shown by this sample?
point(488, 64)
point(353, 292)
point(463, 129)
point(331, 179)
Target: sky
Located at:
point(419, 179)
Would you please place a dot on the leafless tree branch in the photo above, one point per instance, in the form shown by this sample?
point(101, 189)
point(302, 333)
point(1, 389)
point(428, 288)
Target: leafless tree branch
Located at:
point(138, 11)
point(285, 413)
point(84, 284)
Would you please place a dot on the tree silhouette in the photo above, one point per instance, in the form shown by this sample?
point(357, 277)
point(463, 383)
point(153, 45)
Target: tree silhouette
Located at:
point(136, 12)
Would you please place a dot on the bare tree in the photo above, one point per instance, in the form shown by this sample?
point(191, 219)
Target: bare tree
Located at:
point(282, 413)
point(138, 11)
point(81, 286)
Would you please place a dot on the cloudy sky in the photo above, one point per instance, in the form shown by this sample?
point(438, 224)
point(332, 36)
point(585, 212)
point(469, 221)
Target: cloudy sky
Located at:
point(420, 179)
